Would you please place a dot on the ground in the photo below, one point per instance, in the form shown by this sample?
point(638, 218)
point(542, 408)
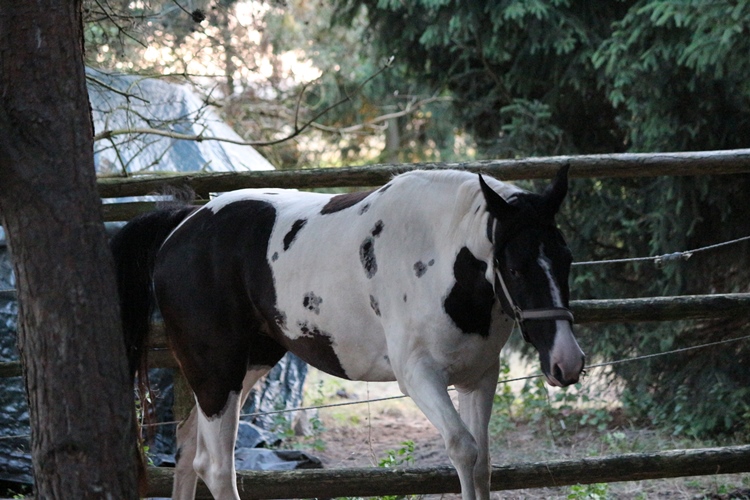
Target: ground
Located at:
point(365, 435)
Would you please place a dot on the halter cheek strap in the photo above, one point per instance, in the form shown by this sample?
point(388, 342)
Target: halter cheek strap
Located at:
point(521, 316)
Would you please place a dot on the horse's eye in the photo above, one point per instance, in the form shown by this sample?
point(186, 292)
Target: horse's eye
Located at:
point(515, 273)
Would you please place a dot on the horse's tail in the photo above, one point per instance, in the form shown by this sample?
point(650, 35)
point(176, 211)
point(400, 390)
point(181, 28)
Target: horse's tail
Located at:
point(134, 249)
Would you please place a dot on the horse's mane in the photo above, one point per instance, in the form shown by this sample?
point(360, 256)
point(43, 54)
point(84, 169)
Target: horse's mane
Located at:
point(451, 178)
point(175, 197)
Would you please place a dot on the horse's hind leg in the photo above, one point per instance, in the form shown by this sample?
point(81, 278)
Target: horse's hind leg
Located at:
point(185, 478)
point(214, 454)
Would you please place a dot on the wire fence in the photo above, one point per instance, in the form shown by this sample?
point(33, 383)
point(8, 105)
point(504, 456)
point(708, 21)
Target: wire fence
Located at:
point(401, 396)
point(500, 382)
point(660, 260)
point(9, 293)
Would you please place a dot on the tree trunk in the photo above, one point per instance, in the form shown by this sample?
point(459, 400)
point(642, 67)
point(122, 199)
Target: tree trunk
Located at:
point(80, 398)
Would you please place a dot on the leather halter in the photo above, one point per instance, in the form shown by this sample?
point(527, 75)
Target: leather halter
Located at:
point(521, 315)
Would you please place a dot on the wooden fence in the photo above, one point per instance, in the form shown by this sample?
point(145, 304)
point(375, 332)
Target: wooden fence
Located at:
point(616, 165)
point(372, 481)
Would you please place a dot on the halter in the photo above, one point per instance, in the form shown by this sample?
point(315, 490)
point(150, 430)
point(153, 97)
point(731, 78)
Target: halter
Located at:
point(547, 313)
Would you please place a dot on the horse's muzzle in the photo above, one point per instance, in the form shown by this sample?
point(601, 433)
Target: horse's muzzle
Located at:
point(560, 377)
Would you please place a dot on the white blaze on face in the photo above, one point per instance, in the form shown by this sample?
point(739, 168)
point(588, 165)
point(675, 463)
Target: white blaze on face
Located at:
point(546, 266)
point(565, 354)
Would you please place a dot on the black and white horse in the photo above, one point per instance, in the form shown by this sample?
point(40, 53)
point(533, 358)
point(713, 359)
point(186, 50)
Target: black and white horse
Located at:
point(419, 281)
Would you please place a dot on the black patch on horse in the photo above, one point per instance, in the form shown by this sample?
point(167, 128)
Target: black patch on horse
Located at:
point(374, 305)
point(342, 201)
point(280, 319)
point(367, 256)
point(420, 268)
point(384, 188)
point(367, 250)
point(377, 229)
point(469, 303)
point(312, 302)
point(289, 237)
point(316, 347)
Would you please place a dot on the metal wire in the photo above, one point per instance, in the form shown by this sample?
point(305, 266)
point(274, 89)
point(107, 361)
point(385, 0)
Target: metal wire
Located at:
point(504, 381)
point(662, 259)
point(9, 293)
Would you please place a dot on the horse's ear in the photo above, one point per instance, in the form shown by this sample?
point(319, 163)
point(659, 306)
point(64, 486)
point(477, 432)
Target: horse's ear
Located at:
point(496, 204)
point(555, 192)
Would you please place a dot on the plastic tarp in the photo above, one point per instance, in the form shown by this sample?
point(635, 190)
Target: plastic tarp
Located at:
point(128, 102)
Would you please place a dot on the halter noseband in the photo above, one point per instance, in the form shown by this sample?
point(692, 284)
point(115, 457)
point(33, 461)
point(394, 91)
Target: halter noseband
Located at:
point(520, 315)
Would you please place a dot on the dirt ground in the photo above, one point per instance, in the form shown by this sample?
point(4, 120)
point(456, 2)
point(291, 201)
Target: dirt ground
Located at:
point(363, 435)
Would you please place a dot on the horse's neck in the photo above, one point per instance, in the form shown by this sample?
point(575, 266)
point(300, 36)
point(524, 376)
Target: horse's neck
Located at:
point(452, 204)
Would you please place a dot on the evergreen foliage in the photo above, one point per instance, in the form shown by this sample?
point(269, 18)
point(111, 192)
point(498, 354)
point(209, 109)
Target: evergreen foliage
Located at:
point(543, 77)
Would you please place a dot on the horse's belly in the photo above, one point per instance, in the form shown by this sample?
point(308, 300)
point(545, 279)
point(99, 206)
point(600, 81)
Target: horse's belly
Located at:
point(352, 354)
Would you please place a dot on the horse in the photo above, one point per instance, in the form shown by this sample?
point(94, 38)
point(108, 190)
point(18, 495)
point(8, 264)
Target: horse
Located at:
point(420, 281)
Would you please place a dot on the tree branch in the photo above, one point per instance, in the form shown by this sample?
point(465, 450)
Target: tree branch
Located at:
point(126, 95)
point(108, 134)
point(410, 108)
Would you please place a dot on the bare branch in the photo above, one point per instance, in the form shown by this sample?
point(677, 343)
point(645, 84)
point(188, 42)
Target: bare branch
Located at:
point(120, 29)
point(126, 95)
point(347, 98)
point(108, 134)
point(411, 107)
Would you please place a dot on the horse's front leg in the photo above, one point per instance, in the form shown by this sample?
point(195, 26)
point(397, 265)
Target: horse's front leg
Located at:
point(427, 386)
point(475, 408)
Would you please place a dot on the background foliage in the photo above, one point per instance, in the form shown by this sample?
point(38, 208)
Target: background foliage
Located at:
point(508, 78)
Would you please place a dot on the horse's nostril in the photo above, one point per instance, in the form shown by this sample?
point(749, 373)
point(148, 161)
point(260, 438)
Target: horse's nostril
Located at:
point(565, 379)
point(558, 374)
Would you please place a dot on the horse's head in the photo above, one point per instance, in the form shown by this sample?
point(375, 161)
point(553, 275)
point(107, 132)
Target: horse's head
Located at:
point(532, 263)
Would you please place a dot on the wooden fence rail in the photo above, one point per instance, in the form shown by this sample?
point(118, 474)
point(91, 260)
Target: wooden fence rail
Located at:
point(331, 483)
point(685, 307)
point(614, 165)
